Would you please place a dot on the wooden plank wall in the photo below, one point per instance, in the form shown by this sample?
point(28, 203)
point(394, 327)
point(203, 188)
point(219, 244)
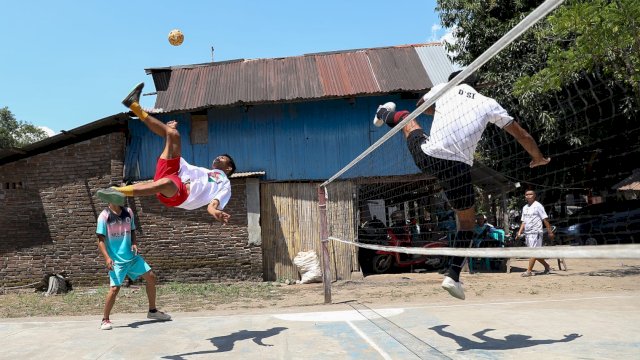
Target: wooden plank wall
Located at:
point(290, 224)
point(341, 212)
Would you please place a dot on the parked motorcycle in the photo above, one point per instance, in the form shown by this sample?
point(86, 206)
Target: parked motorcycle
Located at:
point(400, 234)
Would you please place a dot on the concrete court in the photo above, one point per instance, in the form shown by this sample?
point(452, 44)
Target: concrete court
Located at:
point(596, 327)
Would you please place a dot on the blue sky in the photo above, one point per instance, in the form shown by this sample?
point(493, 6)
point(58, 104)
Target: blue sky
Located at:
point(68, 63)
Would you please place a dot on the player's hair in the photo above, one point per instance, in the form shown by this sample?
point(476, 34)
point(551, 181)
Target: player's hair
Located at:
point(470, 80)
point(231, 163)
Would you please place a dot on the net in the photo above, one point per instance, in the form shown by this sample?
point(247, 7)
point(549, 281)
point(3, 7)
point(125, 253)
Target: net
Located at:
point(401, 195)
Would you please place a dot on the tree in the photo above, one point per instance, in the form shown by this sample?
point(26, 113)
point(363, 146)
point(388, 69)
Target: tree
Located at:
point(15, 133)
point(588, 36)
point(572, 81)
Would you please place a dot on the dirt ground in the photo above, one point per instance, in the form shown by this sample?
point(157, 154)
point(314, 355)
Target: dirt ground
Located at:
point(584, 278)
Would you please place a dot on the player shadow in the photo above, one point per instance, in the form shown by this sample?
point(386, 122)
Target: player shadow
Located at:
point(137, 324)
point(510, 342)
point(226, 343)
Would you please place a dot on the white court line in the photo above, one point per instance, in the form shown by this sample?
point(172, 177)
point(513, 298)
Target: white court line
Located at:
point(517, 302)
point(368, 340)
point(404, 308)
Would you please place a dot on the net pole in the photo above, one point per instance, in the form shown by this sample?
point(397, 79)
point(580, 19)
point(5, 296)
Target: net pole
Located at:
point(324, 240)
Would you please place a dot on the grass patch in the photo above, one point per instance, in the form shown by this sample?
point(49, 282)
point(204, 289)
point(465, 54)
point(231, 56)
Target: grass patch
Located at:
point(170, 297)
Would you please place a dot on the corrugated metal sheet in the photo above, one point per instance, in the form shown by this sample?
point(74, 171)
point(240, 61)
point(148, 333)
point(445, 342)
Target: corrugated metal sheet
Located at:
point(313, 76)
point(630, 183)
point(398, 69)
point(435, 62)
point(296, 141)
point(64, 138)
point(346, 74)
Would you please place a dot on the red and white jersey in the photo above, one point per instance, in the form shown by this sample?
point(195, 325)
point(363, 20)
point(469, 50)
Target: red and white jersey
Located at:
point(460, 118)
point(205, 185)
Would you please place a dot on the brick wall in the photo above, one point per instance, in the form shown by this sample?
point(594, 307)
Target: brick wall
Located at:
point(48, 214)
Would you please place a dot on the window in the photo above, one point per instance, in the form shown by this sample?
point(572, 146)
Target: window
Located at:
point(199, 129)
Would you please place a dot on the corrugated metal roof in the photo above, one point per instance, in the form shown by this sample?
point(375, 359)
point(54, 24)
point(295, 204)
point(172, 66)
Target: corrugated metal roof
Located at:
point(64, 138)
point(630, 183)
point(408, 68)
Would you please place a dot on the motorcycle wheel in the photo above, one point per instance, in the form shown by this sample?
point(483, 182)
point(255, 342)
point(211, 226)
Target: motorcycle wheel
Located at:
point(380, 264)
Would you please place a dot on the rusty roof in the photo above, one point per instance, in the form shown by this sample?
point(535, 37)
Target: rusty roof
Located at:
point(360, 72)
point(630, 183)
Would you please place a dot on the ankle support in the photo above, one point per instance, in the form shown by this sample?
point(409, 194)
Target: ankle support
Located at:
point(137, 109)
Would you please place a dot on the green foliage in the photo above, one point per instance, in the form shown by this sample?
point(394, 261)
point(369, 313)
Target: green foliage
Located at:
point(588, 36)
point(572, 80)
point(14, 133)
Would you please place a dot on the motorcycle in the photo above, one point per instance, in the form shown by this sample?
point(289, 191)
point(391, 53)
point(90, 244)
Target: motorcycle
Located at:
point(400, 234)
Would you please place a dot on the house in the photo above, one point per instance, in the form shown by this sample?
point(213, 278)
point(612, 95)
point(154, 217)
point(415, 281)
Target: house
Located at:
point(289, 123)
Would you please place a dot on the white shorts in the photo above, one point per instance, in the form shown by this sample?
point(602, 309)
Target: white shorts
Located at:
point(533, 240)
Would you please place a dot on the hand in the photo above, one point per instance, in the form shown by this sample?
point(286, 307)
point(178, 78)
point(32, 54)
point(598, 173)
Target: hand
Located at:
point(539, 162)
point(221, 216)
point(134, 249)
point(109, 263)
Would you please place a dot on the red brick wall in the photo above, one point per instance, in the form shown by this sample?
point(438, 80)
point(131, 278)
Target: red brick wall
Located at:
point(47, 223)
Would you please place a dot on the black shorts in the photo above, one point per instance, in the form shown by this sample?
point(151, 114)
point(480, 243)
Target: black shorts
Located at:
point(453, 176)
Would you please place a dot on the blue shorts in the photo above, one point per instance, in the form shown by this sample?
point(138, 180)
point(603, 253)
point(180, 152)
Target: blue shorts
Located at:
point(134, 269)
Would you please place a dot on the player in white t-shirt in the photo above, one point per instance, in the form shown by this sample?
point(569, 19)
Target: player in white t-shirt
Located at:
point(459, 119)
point(533, 217)
point(177, 183)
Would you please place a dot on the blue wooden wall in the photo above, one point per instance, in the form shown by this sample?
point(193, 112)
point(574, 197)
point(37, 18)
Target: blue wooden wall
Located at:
point(294, 141)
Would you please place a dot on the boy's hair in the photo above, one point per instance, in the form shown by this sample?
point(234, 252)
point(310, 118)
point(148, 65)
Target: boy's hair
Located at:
point(231, 163)
point(471, 80)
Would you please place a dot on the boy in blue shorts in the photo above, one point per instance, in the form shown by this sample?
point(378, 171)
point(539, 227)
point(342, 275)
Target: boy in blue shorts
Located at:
point(117, 243)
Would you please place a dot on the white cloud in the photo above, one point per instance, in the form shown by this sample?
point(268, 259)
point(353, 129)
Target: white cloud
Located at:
point(448, 36)
point(435, 28)
point(49, 132)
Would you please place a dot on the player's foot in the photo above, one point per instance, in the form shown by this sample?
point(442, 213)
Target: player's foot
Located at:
point(158, 315)
point(383, 110)
point(526, 274)
point(105, 325)
point(547, 270)
point(453, 287)
point(111, 195)
point(134, 95)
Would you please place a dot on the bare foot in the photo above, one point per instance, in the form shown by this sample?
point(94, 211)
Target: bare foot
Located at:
point(539, 162)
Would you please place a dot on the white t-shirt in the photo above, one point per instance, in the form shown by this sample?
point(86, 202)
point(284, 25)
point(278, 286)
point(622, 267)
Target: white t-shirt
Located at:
point(532, 216)
point(205, 186)
point(460, 118)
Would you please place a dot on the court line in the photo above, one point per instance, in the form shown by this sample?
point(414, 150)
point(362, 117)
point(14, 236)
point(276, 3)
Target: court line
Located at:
point(369, 341)
point(276, 314)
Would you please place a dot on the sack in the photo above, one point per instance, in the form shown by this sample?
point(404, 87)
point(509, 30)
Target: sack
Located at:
point(53, 284)
point(308, 266)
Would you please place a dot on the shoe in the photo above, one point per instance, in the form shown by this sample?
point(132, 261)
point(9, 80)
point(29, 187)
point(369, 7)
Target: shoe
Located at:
point(453, 287)
point(106, 325)
point(134, 95)
point(547, 270)
point(111, 195)
point(158, 315)
point(526, 274)
point(389, 107)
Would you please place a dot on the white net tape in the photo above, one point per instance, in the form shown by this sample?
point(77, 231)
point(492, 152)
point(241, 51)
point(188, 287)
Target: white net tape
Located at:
point(554, 252)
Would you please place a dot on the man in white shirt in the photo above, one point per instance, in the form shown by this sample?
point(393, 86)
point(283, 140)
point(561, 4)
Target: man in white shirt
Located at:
point(533, 216)
point(177, 183)
point(459, 118)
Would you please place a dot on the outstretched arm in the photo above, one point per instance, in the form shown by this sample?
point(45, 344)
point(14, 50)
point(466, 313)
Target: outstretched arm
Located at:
point(528, 143)
point(219, 215)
